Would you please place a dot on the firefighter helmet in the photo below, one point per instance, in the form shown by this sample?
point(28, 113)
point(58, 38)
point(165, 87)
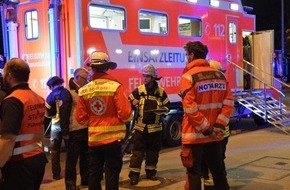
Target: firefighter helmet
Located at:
point(217, 65)
point(150, 70)
point(101, 60)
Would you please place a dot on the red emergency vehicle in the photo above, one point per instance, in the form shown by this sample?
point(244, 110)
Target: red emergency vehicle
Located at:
point(57, 36)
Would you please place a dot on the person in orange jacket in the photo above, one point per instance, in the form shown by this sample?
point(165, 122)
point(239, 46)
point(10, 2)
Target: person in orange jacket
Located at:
point(205, 170)
point(104, 107)
point(207, 103)
point(22, 160)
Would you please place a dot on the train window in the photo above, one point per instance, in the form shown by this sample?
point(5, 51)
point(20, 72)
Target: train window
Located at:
point(107, 17)
point(152, 22)
point(232, 33)
point(189, 26)
point(31, 24)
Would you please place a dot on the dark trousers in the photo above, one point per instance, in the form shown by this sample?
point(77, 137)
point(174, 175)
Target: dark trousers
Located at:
point(25, 174)
point(106, 158)
point(77, 149)
point(204, 165)
point(56, 141)
point(213, 153)
point(148, 145)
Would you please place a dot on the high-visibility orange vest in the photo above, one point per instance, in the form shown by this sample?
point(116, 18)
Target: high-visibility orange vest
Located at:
point(29, 140)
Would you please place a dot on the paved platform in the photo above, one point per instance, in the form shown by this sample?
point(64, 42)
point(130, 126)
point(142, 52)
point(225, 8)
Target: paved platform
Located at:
point(256, 160)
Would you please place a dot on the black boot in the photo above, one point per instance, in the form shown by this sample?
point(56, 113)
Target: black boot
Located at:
point(134, 178)
point(151, 174)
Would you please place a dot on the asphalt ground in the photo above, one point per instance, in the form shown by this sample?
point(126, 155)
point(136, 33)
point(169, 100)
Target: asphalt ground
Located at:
point(257, 159)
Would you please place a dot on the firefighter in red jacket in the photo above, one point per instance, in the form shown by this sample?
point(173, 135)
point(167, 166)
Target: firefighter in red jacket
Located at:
point(103, 106)
point(207, 103)
point(22, 160)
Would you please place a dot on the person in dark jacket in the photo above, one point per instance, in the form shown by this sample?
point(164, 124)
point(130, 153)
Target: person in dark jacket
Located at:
point(147, 136)
point(78, 137)
point(58, 107)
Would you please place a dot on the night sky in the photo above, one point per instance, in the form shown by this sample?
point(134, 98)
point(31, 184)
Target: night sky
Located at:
point(268, 16)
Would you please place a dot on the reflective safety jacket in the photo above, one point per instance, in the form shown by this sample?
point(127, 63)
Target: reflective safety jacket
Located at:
point(149, 100)
point(207, 101)
point(29, 139)
point(104, 107)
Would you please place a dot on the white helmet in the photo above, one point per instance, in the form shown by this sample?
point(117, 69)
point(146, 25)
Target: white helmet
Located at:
point(101, 60)
point(150, 70)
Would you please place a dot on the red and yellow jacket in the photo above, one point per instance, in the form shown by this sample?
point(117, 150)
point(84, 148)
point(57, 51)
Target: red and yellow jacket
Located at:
point(29, 139)
point(104, 107)
point(207, 101)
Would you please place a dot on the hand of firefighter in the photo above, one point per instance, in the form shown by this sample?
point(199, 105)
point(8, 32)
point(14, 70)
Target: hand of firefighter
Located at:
point(217, 132)
point(135, 102)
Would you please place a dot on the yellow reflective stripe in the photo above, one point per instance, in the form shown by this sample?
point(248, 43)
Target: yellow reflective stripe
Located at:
point(151, 127)
point(107, 128)
point(223, 118)
point(210, 106)
point(103, 137)
point(192, 136)
point(165, 101)
point(203, 107)
point(154, 128)
point(87, 96)
point(27, 148)
point(228, 102)
point(131, 97)
point(227, 131)
point(142, 89)
point(203, 125)
point(25, 137)
point(150, 167)
point(152, 98)
point(138, 170)
point(187, 76)
point(190, 110)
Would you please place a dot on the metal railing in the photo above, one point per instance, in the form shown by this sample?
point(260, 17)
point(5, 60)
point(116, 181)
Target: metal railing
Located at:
point(262, 81)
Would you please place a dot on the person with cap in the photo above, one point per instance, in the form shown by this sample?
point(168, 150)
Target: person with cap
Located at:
point(22, 160)
point(58, 107)
point(148, 126)
point(207, 104)
point(104, 107)
point(78, 137)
